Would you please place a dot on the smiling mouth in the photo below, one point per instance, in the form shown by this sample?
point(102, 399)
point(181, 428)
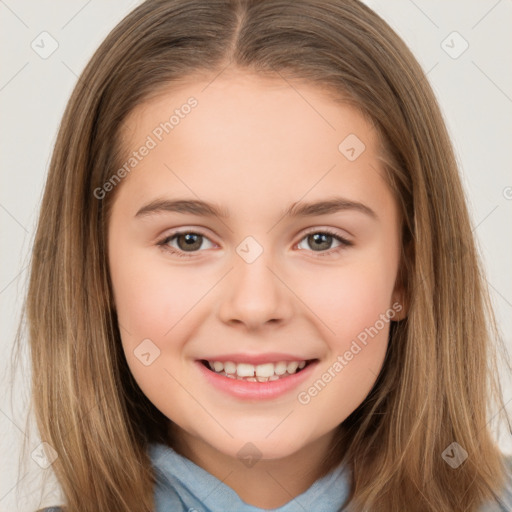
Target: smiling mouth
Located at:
point(257, 373)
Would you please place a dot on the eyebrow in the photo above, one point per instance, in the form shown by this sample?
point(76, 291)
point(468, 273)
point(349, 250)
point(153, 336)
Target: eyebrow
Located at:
point(297, 209)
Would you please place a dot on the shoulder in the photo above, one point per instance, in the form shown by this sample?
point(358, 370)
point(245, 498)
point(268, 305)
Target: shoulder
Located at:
point(502, 502)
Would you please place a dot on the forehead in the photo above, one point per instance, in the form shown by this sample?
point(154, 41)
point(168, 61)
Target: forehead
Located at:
point(256, 137)
point(250, 101)
point(250, 96)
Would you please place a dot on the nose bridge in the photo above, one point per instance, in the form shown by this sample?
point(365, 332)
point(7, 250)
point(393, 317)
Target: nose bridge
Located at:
point(254, 295)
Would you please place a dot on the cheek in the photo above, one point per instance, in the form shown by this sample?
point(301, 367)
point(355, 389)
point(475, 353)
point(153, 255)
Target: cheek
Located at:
point(348, 299)
point(151, 298)
point(358, 315)
point(354, 305)
point(152, 304)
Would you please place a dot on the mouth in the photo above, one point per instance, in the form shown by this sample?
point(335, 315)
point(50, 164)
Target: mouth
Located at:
point(264, 381)
point(267, 372)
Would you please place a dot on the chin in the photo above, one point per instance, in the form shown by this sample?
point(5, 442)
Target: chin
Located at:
point(247, 448)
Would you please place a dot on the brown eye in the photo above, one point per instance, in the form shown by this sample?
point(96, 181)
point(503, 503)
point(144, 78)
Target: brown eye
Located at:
point(189, 241)
point(186, 242)
point(321, 242)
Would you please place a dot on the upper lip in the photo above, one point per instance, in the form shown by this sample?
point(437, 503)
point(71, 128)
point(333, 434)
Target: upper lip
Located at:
point(255, 359)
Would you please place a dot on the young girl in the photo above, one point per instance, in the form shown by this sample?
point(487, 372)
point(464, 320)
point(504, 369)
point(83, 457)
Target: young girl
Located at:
point(192, 347)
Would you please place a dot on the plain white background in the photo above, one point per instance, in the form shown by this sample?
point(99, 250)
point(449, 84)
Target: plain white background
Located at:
point(473, 88)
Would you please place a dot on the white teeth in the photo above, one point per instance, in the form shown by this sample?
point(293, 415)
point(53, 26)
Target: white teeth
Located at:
point(245, 370)
point(218, 366)
point(265, 370)
point(280, 368)
point(229, 367)
point(292, 367)
point(256, 373)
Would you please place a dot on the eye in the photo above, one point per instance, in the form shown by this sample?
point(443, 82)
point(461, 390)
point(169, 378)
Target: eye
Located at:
point(321, 240)
point(188, 242)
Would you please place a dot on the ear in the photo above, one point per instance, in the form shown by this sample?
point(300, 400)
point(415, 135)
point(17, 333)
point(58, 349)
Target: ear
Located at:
point(399, 302)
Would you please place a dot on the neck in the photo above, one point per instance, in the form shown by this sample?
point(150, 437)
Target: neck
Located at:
point(282, 479)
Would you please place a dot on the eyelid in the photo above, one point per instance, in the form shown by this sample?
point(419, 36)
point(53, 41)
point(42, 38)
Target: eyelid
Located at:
point(331, 231)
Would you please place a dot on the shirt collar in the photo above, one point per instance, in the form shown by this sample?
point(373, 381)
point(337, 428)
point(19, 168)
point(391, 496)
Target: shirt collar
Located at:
point(178, 478)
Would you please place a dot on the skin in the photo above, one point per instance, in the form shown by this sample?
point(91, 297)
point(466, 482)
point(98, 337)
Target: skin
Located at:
point(254, 146)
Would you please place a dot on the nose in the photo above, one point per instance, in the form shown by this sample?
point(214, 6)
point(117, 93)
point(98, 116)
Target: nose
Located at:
point(254, 294)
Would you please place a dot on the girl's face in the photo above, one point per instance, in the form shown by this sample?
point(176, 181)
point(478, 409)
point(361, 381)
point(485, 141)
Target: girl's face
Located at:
point(249, 278)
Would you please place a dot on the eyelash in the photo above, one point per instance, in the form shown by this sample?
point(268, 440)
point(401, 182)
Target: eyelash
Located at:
point(344, 243)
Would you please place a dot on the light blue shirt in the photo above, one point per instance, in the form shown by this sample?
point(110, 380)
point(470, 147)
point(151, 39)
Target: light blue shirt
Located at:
point(183, 486)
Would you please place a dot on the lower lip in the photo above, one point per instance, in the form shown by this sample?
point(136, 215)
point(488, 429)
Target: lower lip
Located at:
point(256, 390)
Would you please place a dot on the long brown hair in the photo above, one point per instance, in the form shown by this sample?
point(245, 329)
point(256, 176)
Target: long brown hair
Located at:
point(439, 380)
